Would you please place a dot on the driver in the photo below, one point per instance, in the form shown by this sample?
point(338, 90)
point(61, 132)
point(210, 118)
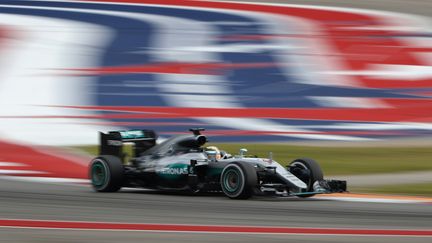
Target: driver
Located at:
point(213, 152)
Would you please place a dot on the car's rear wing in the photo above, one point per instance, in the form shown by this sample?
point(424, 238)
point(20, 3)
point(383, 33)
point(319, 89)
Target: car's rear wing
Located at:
point(111, 143)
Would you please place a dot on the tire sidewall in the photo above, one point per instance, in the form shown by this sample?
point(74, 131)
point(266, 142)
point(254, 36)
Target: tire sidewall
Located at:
point(314, 169)
point(107, 174)
point(114, 173)
point(241, 176)
point(304, 166)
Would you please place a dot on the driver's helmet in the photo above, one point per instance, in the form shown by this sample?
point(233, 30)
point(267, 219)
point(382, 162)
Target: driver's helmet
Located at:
point(213, 152)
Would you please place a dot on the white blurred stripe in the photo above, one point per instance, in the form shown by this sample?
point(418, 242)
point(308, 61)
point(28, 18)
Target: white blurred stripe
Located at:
point(372, 200)
point(29, 81)
point(46, 179)
point(237, 48)
point(11, 164)
point(374, 126)
point(410, 73)
point(193, 88)
point(269, 126)
point(385, 27)
point(348, 102)
point(15, 172)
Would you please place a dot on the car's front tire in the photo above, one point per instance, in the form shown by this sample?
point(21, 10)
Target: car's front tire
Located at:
point(308, 171)
point(106, 173)
point(238, 180)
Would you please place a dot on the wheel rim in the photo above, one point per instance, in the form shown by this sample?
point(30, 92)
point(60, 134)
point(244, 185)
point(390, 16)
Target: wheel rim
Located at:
point(99, 174)
point(232, 180)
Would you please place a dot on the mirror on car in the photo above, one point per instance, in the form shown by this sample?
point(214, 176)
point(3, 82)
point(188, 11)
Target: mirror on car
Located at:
point(243, 151)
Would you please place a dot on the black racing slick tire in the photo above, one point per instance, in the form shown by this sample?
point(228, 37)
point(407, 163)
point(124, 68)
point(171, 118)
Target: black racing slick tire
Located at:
point(308, 171)
point(106, 173)
point(238, 180)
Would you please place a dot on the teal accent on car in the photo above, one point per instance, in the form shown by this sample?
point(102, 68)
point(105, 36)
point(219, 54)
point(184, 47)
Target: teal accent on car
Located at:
point(132, 134)
point(99, 176)
point(231, 180)
point(174, 171)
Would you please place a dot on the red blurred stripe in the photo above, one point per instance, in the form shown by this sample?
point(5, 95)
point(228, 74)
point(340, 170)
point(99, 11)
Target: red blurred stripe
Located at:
point(399, 110)
point(417, 113)
point(205, 228)
point(396, 84)
point(180, 68)
point(38, 159)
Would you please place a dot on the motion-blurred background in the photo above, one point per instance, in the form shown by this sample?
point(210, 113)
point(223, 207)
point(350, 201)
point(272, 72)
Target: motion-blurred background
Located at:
point(350, 87)
point(348, 83)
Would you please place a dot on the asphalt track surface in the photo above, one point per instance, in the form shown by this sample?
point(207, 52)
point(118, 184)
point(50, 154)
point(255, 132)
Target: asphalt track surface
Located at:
point(23, 200)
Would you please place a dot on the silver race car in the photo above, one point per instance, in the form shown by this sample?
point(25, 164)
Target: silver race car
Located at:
point(183, 163)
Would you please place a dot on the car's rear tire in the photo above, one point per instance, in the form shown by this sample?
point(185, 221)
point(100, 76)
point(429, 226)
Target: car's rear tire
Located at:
point(308, 171)
point(238, 180)
point(106, 173)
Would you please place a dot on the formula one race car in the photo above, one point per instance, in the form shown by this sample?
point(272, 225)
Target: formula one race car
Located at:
point(182, 163)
